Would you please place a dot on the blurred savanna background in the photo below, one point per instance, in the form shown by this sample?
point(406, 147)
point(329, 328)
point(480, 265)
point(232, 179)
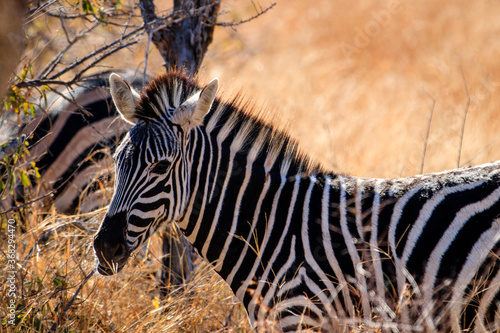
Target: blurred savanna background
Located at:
point(372, 89)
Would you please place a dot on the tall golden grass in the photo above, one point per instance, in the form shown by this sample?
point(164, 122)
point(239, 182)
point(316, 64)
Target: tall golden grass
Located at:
point(366, 111)
point(358, 83)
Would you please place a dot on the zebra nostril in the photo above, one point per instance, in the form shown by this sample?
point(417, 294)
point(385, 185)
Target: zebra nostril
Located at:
point(113, 253)
point(119, 252)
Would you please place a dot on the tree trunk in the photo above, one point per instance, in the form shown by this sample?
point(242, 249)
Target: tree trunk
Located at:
point(183, 44)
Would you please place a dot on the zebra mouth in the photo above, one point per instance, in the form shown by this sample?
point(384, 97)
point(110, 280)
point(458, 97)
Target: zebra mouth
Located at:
point(110, 269)
point(107, 268)
point(110, 265)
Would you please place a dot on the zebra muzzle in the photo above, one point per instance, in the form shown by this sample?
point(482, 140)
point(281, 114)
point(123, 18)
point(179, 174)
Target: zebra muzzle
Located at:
point(109, 245)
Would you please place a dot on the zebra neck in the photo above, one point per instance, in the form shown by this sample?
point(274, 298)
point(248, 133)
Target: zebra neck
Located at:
point(236, 165)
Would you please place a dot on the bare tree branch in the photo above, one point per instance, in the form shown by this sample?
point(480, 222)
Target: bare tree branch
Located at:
point(72, 300)
point(57, 59)
point(76, 78)
point(182, 37)
point(232, 24)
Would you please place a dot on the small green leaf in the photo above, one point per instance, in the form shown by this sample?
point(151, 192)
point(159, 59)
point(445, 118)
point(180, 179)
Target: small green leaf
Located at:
point(87, 7)
point(39, 283)
point(24, 178)
point(60, 282)
point(25, 72)
point(44, 93)
point(37, 174)
point(7, 104)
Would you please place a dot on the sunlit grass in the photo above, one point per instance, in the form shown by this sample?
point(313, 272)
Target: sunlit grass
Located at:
point(55, 268)
point(365, 113)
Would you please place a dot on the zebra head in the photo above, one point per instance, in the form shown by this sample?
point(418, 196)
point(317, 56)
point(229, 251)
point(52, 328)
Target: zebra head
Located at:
point(151, 163)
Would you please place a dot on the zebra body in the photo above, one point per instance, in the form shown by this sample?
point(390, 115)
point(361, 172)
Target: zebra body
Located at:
point(71, 140)
point(302, 248)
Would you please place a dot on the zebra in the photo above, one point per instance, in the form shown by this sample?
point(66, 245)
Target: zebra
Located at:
point(71, 140)
point(301, 247)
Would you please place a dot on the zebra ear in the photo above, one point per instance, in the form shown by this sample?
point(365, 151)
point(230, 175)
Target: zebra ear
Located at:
point(207, 97)
point(124, 97)
point(193, 110)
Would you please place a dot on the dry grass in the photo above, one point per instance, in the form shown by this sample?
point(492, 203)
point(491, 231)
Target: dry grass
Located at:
point(364, 111)
point(55, 257)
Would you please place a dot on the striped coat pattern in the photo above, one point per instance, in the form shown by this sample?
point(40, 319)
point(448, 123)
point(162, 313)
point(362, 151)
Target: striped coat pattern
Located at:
point(301, 247)
point(71, 140)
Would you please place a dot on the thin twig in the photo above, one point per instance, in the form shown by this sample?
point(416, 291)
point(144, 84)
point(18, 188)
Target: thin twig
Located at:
point(146, 56)
point(100, 50)
point(74, 80)
point(480, 152)
point(64, 28)
point(27, 203)
point(228, 320)
point(39, 9)
point(130, 16)
point(95, 17)
point(232, 24)
point(72, 101)
point(105, 55)
point(72, 300)
point(57, 59)
point(462, 131)
point(38, 83)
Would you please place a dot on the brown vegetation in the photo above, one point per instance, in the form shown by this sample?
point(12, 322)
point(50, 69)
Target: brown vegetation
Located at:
point(358, 82)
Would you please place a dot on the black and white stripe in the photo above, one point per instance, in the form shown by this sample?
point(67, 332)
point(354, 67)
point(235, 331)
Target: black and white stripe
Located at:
point(72, 140)
point(302, 248)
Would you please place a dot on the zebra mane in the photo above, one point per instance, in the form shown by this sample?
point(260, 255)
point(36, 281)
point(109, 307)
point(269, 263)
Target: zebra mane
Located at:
point(168, 91)
point(164, 94)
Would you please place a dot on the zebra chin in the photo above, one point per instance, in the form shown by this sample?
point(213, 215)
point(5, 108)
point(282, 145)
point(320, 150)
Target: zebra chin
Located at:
point(109, 270)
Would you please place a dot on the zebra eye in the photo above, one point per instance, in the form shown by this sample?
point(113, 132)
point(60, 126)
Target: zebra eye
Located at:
point(160, 167)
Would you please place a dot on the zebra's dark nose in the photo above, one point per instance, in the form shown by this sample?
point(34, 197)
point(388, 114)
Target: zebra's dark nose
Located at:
point(109, 251)
point(109, 245)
